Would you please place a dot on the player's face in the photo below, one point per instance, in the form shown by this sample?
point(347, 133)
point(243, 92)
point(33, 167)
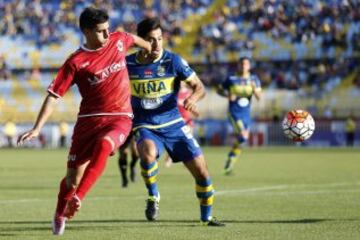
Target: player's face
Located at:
point(245, 65)
point(98, 36)
point(156, 40)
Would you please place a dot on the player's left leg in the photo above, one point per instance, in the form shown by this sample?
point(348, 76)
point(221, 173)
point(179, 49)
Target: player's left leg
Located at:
point(204, 189)
point(106, 144)
point(96, 166)
point(242, 134)
point(182, 146)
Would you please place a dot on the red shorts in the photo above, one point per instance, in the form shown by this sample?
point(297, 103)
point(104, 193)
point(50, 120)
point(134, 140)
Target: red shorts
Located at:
point(89, 130)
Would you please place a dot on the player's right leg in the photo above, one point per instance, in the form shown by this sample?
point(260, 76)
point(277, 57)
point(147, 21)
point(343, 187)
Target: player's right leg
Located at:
point(148, 148)
point(68, 187)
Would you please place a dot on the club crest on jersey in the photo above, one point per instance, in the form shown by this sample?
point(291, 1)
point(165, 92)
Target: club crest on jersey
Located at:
point(121, 138)
point(160, 71)
point(120, 45)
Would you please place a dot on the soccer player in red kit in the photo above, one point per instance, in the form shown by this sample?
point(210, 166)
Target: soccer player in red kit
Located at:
point(98, 68)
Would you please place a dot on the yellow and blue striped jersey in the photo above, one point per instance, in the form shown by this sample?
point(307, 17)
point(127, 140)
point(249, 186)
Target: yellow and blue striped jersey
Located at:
point(242, 89)
point(154, 89)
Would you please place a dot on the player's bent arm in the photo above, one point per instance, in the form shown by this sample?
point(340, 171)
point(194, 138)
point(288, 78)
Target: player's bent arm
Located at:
point(139, 42)
point(257, 93)
point(198, 92)
point(45, 111)
point(221, 91)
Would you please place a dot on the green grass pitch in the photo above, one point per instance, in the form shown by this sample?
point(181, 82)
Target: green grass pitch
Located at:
point(275, 193)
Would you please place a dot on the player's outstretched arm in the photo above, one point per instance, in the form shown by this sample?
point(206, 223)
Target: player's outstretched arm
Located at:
point(139, 42)
point(221, 91)
point(256, 91)
point(198, 93)
point(45, 111)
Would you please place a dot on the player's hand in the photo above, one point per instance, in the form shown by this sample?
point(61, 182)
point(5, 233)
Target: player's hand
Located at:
point(190, 106)
point(253, 86)
point(33, 133)
point(232, 97)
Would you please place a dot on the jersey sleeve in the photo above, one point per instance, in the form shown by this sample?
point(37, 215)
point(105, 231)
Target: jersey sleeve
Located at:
point(182, 68)
point(128, 40)
point(226, 83)
point(257, 82)
point(63, 80)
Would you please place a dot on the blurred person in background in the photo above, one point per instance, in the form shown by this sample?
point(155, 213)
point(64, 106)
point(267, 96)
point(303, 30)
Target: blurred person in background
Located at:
point(350, 129)
point(10, 131)
point(98, 68)
point(129, 145)
point(4, 70)
point(239, 89)
point(64, 131)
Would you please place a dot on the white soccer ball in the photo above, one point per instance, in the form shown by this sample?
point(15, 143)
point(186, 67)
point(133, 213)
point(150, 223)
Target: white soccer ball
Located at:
point(298, 125)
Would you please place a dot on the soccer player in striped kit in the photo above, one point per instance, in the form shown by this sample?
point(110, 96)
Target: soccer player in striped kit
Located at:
point(155, 81)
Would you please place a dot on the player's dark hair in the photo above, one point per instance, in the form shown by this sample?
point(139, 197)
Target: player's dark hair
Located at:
point(244, 58)
point(91, 16)
point(147, 25)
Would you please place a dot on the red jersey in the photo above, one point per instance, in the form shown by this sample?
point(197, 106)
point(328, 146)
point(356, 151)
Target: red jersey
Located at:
point(101, 76)
point(183, 94)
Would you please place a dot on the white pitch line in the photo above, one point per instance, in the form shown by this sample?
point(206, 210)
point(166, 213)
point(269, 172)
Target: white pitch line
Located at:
point(265, 190)
point(277, 187)
point(258, 189)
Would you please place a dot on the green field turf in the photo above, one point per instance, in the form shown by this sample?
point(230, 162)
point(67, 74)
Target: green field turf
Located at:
point(275, 193)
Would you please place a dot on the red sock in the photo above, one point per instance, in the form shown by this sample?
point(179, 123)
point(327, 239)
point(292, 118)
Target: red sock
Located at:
point(64, 195)
point(95, 168)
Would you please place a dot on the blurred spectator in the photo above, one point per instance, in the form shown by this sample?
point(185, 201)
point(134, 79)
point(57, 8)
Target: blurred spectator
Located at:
point(4, 71)
point(201, 133)
point(10, 132)
point(64, 131)
point(350, 128)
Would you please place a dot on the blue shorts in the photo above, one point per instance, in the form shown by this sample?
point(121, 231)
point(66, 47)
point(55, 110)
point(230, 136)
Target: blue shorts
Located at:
point(176, 139)
point(240, 123)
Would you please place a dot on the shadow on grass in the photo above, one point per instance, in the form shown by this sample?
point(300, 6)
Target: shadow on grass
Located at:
point(78, 225)
point(18, 226)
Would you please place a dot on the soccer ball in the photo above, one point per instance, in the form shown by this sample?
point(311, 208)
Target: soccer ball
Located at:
point(298, 125)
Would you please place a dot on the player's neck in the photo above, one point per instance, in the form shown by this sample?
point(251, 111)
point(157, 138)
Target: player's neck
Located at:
point(145, 58)
point(93, 46)
point(245, 74)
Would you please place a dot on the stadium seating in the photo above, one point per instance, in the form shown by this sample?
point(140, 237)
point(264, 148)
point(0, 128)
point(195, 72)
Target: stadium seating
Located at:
point(314, 58)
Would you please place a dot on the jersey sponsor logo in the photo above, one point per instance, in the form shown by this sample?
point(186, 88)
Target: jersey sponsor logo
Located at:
point(153, 88)
point(243, 102)
point(103, 74)
point(151, 103)
point(84, 65)
point(120, 46)
point(148, 73)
